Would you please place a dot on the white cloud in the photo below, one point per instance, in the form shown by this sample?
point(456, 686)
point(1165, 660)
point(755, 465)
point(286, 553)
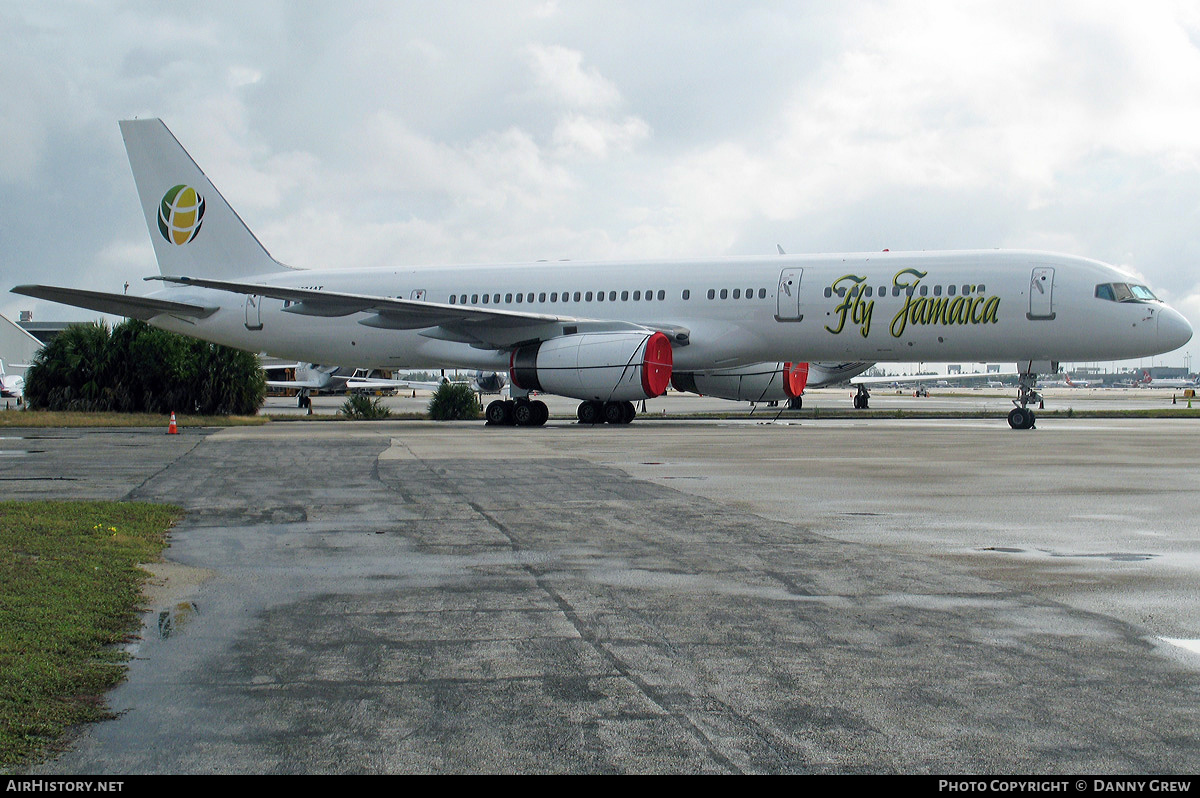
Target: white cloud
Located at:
point(560, 71)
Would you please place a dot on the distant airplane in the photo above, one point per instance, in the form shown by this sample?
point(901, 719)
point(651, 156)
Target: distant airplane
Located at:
point(12, 386)
point(610, 334)
point(922, 381)
point(314, 378)
point(1149, 382)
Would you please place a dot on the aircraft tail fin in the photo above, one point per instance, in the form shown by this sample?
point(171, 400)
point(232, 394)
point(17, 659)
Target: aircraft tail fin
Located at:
point(195, 231)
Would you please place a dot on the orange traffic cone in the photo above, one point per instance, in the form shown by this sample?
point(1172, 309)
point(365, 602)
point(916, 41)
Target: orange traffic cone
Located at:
point(172, 428)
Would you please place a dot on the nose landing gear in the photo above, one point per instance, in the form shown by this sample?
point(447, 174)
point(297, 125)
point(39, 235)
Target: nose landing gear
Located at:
point(1021, 416)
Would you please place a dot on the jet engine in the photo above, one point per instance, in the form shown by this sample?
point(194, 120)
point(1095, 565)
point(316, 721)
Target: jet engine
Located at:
point(760, 382)
point(606, 366)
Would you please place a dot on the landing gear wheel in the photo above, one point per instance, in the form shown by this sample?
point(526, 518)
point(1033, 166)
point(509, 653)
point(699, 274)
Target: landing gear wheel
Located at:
point(614, 412)
point(795, 403)
point(591, 413)
point(540, 411)
point(1021, 418)
point(524, 414)
point(630, 412)
point(862, 398)
point(499, 413)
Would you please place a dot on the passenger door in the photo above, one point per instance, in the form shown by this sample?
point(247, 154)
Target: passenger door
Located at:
point(1041, 293)
point(787, 297)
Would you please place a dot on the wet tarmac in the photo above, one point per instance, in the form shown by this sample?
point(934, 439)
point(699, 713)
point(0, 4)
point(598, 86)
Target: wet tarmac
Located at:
point(727, 596)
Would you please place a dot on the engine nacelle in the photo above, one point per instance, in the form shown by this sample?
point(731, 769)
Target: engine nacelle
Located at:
point(760, 382)
point(607, 366)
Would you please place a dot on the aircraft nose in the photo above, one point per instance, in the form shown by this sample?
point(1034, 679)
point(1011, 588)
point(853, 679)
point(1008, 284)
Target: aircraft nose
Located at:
point(1173, 329)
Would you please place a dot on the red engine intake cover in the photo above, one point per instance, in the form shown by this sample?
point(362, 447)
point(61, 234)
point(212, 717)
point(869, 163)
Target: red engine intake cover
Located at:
point(657, 363)
point(795, 377)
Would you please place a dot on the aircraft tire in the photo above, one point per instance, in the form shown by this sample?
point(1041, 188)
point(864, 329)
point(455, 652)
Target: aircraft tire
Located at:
point(1021, 418)
point(591, 413)
point(614, 413)
point(498, 414)
point(524, 414)
point(541, 412)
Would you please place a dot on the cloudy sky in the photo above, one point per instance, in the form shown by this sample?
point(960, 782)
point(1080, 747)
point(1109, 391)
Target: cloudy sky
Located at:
point(363, 134)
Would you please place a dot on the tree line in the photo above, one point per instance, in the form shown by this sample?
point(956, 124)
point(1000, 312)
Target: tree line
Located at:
point(135, 368)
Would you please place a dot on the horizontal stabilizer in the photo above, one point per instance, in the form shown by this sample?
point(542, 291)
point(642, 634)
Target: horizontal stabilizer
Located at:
point(134, 307)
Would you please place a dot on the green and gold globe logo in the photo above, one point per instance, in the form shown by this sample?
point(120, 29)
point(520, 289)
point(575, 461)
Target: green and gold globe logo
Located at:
point(180, 214)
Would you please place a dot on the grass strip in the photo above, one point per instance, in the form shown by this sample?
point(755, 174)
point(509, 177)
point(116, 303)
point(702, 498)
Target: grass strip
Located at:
point(56, 418)
point(70, 588)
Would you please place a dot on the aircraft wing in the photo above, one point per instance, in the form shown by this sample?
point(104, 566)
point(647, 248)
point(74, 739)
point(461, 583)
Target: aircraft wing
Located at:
point(137, 307)
point(378, 383)
point(472, 324)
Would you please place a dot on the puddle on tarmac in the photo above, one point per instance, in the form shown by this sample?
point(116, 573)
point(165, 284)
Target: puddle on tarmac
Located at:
point(1113, 556)
point(173, 621)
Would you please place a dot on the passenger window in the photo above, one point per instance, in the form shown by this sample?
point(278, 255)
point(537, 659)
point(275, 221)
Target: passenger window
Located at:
point(588, 296)
point(724, 293)
point(937, 290)
point(453, 299)
point(711, 294)
point(520, 298)
point(762, 293)
point(553, 296)
point(737, 293)
point(828, 292)
point(637, 296)
point(624, 296)
point(541, 297)
point(924, 290)
point(612, 296)
point(661, 294)
point(485, 299)
point(495, 299)
point(950, 290)
point(577, 296)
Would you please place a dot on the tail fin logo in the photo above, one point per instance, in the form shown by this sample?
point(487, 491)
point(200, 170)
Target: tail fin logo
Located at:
point(180, 214)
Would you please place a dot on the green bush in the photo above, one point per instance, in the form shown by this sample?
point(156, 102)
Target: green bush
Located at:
point(362, 408)
point(135, 368)
point(453, 401)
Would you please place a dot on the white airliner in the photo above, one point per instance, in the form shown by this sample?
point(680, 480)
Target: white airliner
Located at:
point(613, 333)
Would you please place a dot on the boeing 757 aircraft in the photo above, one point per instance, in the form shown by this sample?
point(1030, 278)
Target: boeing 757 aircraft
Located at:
point(613, 333)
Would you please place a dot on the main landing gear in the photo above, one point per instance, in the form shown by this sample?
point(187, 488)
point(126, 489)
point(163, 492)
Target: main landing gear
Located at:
point(517, 413)
point(593, 412)
point(862, 399)
point(1021, 416)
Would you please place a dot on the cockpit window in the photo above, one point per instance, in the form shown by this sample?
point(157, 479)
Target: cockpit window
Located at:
point(1125, 292)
